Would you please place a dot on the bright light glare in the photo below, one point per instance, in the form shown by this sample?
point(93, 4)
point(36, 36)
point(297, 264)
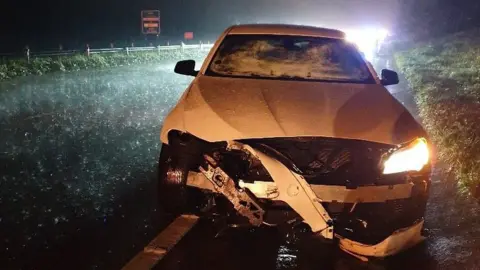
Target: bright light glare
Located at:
point(367, 40)
point(410, 158)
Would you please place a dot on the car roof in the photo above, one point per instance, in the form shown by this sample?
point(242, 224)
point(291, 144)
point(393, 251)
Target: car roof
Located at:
point(285, 29)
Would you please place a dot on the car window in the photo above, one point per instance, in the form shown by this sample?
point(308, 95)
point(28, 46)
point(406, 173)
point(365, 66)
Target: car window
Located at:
point(289, 58)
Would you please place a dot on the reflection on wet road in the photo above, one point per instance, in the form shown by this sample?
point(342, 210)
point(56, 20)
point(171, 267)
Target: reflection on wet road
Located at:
point(77, 191)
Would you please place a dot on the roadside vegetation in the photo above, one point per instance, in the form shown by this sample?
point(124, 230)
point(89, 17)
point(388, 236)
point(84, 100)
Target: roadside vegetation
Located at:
point(12, 68)
point(445, 77)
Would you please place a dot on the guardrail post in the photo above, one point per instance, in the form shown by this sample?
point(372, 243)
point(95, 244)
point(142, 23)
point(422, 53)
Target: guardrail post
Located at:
point(88, 50)
point(27, 53)
point(183, 47)
point(128, 52)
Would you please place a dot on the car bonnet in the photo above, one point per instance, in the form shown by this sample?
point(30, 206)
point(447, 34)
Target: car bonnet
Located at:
point(222, 109)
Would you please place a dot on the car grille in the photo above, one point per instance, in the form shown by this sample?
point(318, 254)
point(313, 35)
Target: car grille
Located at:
point(329, 161)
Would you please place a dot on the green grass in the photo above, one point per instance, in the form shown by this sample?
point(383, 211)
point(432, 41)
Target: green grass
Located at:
point(37, 66)
point(445, 77)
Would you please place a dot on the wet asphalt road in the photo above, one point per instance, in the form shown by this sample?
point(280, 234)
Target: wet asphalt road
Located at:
point(78, 154)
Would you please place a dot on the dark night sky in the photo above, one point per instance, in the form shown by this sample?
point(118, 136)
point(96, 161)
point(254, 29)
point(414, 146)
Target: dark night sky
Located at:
point(48, 23)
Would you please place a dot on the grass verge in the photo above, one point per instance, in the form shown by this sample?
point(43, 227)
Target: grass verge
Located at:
point(41, 65)
point(445, 77)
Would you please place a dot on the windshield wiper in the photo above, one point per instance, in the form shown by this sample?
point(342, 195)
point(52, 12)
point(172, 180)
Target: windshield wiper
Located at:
point(293, 77)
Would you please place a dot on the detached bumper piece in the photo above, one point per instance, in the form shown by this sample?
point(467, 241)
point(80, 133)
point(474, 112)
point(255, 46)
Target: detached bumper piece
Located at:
point(394, 244)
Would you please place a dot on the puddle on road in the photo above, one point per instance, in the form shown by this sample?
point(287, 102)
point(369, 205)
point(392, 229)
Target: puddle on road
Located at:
point(286, 257)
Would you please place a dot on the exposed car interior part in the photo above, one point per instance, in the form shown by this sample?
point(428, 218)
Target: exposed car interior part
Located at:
point(367, 212)
point(294, 190)
point(243, 201)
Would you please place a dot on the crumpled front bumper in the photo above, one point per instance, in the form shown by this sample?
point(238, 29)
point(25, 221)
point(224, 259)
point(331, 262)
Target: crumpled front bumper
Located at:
point(309, 202)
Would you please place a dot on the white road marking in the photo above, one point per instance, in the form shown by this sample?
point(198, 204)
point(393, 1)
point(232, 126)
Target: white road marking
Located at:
point(162, 243)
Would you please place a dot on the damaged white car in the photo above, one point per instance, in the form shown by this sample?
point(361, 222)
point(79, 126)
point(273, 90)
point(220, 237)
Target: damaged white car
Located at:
point(294, 119)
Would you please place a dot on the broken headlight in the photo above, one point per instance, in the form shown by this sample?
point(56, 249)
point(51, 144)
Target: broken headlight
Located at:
point(412, 157)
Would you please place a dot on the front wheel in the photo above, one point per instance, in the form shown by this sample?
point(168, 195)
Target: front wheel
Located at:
point(174, 196)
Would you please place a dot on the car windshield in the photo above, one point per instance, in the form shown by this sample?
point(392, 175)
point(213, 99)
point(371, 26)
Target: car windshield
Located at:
point(289, 57)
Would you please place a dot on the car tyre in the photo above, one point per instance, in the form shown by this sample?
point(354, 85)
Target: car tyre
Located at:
point(174, 196)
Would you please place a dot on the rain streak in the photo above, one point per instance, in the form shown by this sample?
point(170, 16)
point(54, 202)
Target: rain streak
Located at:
point(74, 143)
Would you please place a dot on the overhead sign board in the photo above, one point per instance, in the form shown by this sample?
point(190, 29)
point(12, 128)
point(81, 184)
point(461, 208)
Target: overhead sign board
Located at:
point(188, 35)
point(151, 22)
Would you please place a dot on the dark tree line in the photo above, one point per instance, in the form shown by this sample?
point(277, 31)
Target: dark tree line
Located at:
point(423, 19)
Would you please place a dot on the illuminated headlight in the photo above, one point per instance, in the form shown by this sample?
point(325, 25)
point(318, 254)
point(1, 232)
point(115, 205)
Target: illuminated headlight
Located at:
point(367, 40)
point(410, 158)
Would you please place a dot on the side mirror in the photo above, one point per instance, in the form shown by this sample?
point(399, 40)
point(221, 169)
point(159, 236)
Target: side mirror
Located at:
point(389, 77)
point(186, 67)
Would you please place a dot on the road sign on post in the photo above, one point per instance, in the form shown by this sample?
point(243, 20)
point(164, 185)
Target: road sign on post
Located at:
point(151, 22)
point(188, 35)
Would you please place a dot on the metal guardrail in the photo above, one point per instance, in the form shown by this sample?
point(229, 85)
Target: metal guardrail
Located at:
point(88, 51)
